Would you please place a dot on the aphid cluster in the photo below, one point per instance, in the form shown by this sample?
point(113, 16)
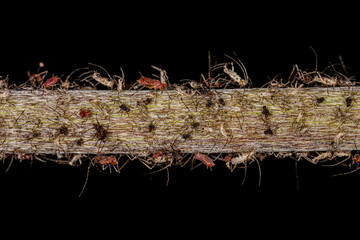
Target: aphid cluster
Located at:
point(229, 74)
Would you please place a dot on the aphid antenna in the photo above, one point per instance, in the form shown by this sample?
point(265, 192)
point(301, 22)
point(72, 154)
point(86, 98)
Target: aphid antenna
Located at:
point(102, 68)
point(241, 65)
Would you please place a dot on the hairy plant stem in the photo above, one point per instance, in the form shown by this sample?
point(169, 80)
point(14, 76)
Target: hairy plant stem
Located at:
point(216, 121)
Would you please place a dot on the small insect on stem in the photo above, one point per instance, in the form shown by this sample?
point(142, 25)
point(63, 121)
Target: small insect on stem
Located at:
point(318, 100)
point(101, 132)
point(107, 161)
point(268, 131)
point(95, 75)
point(265, 112)
point(124, 108)
point(348, 101)
point(152, 83)
point(36, 79)
point(85, 113)
point(205, 159)
point(51, 82)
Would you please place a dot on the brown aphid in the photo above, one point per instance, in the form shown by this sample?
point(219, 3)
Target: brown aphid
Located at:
point(186, 136)
point(318, 100)
point(101, 132)
point(348, 101)
point(209, 103)
point(64, 130)
point(265, 112)
point(268, 131)
point(152, 127)
point(195, 125)
point(124, 108)
point(79, 142)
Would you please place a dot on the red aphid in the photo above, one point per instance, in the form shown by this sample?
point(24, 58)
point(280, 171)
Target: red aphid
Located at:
point(205, 159)
point(51, 82)
point(356, 158)
point(85, 113)
point(159, 153)
point(152, 83)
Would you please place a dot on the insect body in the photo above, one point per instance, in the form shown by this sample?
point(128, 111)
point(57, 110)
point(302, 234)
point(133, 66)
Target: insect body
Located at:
point(355, 159)
point(205, 159)
point(37, 79)
point(152, 83)
point(103, 80)
point(101, 132)
point(85, 113)
point(51, 82)
point(234, 76)
point(348, 101)
point(107, 161)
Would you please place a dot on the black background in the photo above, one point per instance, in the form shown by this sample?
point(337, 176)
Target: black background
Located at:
point(268, 37)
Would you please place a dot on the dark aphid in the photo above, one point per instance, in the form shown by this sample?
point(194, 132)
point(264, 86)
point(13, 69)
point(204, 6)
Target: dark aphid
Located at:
point(147, 101)
point(79, 142)
point(186, 136)
point(36, 134)
point(265, 111)
point(268, 132)
point(319, 100)
point(152, 127)
point(101, 133)
point(63, 130)
point(195, 125)
point(124, 108)
point(221, 101)
point(209, 103)
point(348, 101)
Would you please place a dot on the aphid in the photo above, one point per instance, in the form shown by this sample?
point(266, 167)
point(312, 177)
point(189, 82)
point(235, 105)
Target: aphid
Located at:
point(36, 79)
point(51, 81)
point(152, 83)
point(64, 130)
point(103, 80)
point(233, 75)
point(355, 159)
point(265, 112)
point(79, 142)
point(318, 100)
point(157, 154)
point(85, 113)
point(195, 125)
point(209, 103)
point(268, 131)
point(241, 158)
point(221, 101)
point(24, 156)
point(145, 102)
point(101, 133)
point(205, 159)
point(152, 127)
point(186, 136)
point(107, 161)
point(348, 101)
point(108, 82)
point(124, 108)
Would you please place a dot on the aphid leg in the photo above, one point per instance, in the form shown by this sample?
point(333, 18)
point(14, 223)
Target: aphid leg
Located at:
point(86, 179)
